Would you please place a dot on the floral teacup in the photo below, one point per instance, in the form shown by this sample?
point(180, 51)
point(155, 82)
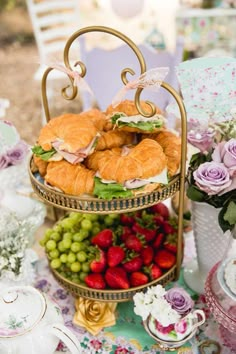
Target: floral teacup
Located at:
point(179, 330)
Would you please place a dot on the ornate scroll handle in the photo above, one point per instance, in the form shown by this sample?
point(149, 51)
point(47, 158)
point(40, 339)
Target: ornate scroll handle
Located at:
point(73, 37)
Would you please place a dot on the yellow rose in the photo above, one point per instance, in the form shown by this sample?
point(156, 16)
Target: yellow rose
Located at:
point(94, 315)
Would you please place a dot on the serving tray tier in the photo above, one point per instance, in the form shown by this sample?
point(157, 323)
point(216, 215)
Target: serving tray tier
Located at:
point(102, 206)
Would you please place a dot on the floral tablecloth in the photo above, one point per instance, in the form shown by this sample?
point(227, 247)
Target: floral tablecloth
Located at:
point(127, 336)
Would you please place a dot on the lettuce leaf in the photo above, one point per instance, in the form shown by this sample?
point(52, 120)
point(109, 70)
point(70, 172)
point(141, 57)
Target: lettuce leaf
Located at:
point(110, 190)
point(44, 155)
point(147, 126)
point(117, 116)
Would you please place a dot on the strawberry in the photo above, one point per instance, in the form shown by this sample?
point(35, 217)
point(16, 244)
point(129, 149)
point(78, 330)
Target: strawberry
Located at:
point(138, 279)
point(159, 220)
point(165, 259)
point(98, 264)
point(95, 281)
point(158, 240)
point(147, 233)
point(133, 265)
point(147, 254)
point(153, 271)
point(115, 255)
point(133, 243)
point(160, 209)
point(167, 228)
point(170, 243)
point(103, 239)
point(116, 278)
point(126, 219)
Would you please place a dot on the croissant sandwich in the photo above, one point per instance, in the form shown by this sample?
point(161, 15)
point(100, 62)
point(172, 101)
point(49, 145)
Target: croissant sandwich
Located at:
point(70, 179)
point(114, 139)
point(126, 117)
point(171, 144)
point(121, 174)
point(69, 136)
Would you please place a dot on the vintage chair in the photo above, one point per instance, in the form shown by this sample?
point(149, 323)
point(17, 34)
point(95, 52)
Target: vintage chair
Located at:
point(104, 68)
point(53, 22)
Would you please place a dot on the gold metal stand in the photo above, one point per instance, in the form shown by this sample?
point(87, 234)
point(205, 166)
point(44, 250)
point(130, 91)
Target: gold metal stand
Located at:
point(95, 205)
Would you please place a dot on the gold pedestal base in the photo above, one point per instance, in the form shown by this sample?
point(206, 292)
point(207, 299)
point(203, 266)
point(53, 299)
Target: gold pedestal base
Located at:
point(94, 315)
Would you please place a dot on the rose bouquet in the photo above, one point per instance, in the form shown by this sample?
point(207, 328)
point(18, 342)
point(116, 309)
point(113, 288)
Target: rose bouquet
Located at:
point(212, 171)
point(168, 312)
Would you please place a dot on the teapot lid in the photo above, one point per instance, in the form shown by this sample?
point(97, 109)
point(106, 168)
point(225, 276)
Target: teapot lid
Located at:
point(21, 308)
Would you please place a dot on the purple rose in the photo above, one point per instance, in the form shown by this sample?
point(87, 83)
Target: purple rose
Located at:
point(226, 152)
point(213, 178)
point(17, 153)
point(180, 300)
point(4, 161)
point(201, 140)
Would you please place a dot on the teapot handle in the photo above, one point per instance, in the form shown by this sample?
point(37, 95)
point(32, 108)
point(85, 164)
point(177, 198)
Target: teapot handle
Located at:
point(67, 337)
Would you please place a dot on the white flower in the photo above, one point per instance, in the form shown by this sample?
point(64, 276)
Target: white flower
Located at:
point(153, 303)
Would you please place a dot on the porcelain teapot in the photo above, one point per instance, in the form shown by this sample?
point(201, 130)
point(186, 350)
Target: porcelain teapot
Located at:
point(32, 323)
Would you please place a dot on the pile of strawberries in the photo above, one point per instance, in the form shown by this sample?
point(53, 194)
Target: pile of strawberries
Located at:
point(138, 251)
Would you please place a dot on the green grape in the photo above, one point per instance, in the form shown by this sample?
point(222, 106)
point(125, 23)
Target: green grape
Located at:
point(84, 233)
point(75, 247)
point(71, 258)
point(51, 245)
point(77, 217)
point(91, 217)
point(67, 236)
point(96, 230)
point(63, 258)
point(82, 276)
point(114, 216)
point(48, 233)
point(86, 225)
point(67, 243)
point(61, 247)
point(85, 267)
point(75, 277)
point(75, 267)
point(108, 220)
point(55, 236)
point(81, 256)
point(57, 228)
point(78, 237)
point(67, 224)
point(42, 242)
point(55, 263)
point(54, 254)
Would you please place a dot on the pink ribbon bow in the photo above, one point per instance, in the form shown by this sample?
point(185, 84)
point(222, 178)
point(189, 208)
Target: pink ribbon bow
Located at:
point(75, 75)
point(151, 79)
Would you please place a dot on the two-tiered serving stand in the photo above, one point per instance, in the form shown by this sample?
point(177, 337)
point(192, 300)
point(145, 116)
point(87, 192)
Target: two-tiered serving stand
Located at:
point(122, 205)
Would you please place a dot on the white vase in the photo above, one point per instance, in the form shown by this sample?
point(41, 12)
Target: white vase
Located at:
point(211, 244)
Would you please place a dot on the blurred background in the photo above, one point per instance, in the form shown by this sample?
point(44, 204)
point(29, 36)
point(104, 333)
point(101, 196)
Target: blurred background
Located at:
point(205, 27)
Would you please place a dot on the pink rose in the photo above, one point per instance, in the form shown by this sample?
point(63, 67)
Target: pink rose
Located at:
point(226, 152)
point(18, 153)
point(201, 140)
point(181, 326)
point(213, 178)
point(4, 162)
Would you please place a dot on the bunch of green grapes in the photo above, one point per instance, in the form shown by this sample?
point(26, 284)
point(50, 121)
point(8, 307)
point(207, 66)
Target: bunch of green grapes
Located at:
point(68, 245)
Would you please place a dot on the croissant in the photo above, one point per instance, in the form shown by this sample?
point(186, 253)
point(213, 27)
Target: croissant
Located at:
point(95, 116)
point(114, 138)
point(72, 130)
point(71, 179)
point(92, 161)
point(40, 165)
point(128, 107)
point(142, 161)
point(171, 145)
